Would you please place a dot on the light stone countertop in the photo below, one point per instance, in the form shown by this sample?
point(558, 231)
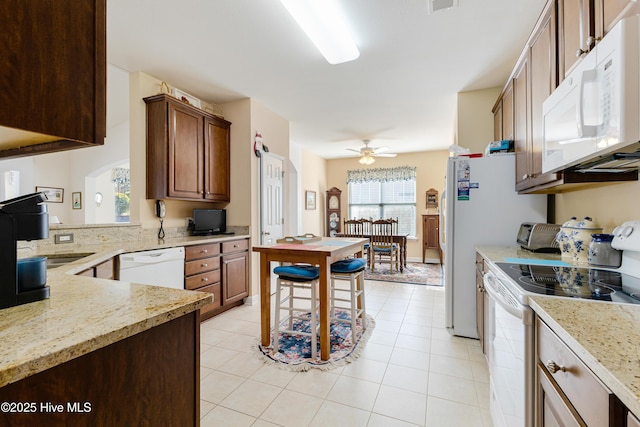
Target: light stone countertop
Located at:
point(84, 314)
point(604, 335)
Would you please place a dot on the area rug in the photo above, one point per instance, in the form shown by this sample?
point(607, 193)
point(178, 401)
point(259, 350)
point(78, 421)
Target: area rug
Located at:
point(415, 273)
point(294, 351)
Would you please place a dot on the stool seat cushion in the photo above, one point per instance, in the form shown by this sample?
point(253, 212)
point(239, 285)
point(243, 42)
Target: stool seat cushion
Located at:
point(297, 273)
point(348, 265)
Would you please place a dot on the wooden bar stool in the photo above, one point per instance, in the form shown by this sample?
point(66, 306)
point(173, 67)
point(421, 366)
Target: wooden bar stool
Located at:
point(302, 278)
point(351, 269)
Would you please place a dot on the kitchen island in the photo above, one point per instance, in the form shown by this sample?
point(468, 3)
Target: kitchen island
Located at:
point(101, 352)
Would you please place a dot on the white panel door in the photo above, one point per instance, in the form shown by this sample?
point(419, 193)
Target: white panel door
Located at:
point(271, 203)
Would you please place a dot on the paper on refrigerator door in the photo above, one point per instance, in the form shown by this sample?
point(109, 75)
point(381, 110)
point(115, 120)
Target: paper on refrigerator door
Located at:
point(462, 179)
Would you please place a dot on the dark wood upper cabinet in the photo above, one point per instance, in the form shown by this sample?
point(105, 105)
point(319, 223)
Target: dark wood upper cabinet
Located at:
point(188, 152)
point(583, 23)
point(550, 53)
point(53, 75)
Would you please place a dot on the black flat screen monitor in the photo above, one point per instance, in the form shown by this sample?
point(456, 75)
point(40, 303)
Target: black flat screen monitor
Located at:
point(209, 221)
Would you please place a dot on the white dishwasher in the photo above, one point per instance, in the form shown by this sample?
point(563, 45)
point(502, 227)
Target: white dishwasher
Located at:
point(160, 267)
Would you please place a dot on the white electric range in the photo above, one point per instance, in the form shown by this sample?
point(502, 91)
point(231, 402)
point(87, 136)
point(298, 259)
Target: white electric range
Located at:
point(510, 340)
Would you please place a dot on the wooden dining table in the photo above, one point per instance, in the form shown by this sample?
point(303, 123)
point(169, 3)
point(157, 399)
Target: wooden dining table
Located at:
point(322, 253)
point(399, 239)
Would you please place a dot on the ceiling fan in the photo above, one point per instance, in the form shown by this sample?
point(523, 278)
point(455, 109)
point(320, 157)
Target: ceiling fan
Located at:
point(367, 153)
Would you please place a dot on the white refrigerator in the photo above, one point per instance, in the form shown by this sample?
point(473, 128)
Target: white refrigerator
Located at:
point(479, 207)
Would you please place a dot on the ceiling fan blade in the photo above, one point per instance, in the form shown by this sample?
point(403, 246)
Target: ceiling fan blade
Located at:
point(381, 149)
point(356, 151)
point(384, 155)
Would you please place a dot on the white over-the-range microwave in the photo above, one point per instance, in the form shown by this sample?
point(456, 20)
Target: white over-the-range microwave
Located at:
point(595, 112)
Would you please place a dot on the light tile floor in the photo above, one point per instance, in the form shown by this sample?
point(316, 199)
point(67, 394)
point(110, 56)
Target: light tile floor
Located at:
point(411, 372)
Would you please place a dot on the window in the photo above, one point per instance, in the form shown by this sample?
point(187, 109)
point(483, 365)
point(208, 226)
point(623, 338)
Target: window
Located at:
point(384, 193)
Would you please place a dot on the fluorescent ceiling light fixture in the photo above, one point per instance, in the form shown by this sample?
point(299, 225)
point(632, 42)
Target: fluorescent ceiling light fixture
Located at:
point(324, 24)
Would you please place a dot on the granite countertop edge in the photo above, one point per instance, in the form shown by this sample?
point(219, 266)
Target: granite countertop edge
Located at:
point(72, 319)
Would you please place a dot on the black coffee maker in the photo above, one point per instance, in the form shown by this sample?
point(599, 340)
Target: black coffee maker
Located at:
point(22, 218)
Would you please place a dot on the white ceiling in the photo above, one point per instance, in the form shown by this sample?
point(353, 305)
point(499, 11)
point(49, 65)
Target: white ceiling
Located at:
point(400, 92)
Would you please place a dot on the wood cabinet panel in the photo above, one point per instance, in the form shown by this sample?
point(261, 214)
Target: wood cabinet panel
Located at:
point(431, 235)
point(54, 52)
point(592, 400)
point(235, 277)
point(554, 410)
point(235, 246)
point(186, 157)
point(521, 137)
point(480, 297)
point(216, 291)
point(507, 112)
point(201, 265)
point(105, 270)
point(497, 121)
point(201, 251)
point(197, 281)
point(149, 379)
point(542, 82)
point(217, 160)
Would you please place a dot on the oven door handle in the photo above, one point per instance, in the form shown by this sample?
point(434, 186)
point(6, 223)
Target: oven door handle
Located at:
point(501, 295)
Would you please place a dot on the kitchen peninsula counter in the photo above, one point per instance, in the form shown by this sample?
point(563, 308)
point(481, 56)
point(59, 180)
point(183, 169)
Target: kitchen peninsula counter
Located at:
point(104, 343)
point(604, 335)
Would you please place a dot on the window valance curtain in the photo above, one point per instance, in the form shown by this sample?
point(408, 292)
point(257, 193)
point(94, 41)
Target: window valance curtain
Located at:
point(400, 173)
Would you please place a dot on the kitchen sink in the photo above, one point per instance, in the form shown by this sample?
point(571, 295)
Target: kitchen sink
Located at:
point(56, 260)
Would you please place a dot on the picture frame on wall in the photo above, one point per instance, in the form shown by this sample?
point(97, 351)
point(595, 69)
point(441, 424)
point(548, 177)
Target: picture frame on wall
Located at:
point(76, 200)
point(53, 194)
point(310, 200)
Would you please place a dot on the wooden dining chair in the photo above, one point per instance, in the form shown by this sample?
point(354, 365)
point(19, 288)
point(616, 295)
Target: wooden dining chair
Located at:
point(352, 228)
point(382, 244)
point(366, 226)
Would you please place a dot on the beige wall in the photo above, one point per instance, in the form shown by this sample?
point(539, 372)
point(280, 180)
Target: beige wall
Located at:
point(248, 117)
point(314, 178)
point(475, 119)
point(609, 206)
point(431, 168)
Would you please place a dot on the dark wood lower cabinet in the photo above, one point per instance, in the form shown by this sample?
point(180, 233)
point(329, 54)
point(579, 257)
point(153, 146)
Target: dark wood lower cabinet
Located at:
point(221, 269)
point(149, 379)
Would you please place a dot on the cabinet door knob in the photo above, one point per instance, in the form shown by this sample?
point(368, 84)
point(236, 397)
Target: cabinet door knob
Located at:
point(525, 176)
point(553, 367)
point(204, 251)
point(204, 265)
point(580, 52)
point(205, 279)
point(590, 41)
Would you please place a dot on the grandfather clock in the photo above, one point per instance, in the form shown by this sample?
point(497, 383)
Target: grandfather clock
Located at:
point(333, 211)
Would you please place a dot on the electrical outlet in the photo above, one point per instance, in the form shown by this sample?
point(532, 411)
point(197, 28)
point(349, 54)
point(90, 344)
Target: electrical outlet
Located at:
point(63, 238)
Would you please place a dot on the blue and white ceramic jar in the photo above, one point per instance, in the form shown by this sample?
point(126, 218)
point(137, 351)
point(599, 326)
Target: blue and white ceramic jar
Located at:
point(574, 238)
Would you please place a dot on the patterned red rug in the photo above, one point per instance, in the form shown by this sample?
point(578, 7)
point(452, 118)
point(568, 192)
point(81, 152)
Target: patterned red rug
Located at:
point(414, 273)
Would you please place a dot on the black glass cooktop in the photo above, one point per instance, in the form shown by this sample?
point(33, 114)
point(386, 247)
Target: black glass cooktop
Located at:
point(588, 283)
